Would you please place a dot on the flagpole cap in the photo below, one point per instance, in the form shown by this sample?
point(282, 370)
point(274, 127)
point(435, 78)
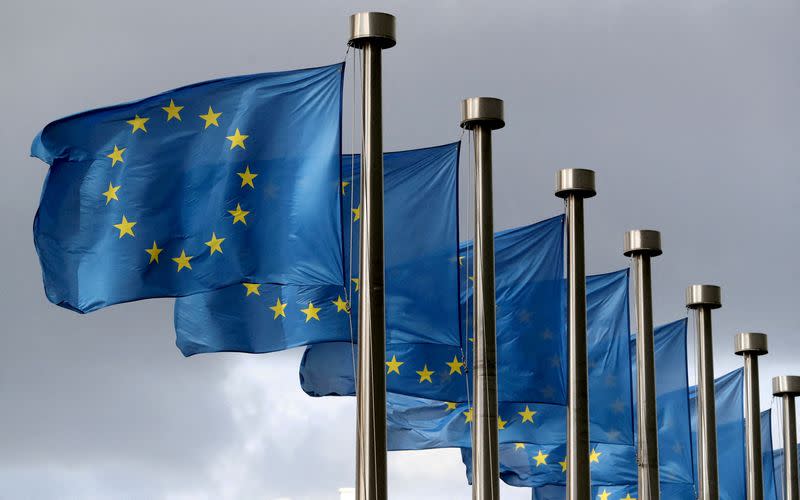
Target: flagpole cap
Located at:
point(709, 296)
point(377, 27)
point(486, 111)
point(750, 343)
point(577, 181)
point(786, 385)
point(642, 242)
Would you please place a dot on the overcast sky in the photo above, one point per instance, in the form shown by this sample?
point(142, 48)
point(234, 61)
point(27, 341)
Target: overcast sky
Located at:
point(689, 111)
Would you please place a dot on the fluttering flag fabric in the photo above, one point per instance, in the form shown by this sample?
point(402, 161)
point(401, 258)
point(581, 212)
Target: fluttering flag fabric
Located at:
point(729, 398)
point(780, 464)
point(194, 189)
point(421, 241)
point(529, 270)
point(767, 458)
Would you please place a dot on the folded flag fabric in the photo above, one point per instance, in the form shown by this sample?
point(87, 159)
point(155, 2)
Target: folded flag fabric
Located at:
point(421, 241)
point(194, 189)
point(767, 458)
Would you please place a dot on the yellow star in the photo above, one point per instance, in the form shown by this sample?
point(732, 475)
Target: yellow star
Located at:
point(311, 312)
point(211, 118)
point(279, 309)
point(247, 177)
point(527, 415)
point(519, 446)
point(425, 374)
point(154, 253)
point(563, 465)
point(501, 424)
point(541, 458)
point(344, 185)
point(595, 456)
point(356, 212)
point(138, 123)
point(125, 227)
point(629, 497)
point(116, 155)
point(341, 304)
point(239, 214)
point(468, 416)
point(215, 244)
point(173, 111)
point(237, 139)
point(394, 365)
point(111, 194)
point(357, 282)
point(252, 288)
point(604, 495)
point(461, 260)
point(451, 406)
point(455, 365)
point(183, 261)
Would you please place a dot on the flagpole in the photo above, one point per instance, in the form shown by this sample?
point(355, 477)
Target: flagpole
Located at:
point(704, 298)
point(641, 245)
point(371, 32)
point(575, 184)
point(481, 115)
point(787, 387)
point(750, 346)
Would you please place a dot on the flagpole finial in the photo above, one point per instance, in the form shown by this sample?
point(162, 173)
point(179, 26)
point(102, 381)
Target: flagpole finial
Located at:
point(377, 27)
point(642, 241)
point(750, 343)
point(486, 111)
point(786, 385)
point(708, 296)
point(577, 181)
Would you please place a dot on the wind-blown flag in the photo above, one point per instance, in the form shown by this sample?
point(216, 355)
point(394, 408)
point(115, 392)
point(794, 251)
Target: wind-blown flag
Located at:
point(767, 458)
point(421, 240)
point(194, 189)
point(728, 395)
point(780, 464)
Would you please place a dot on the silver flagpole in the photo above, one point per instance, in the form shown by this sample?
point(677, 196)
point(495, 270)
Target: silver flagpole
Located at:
point(751, 346)
point(641, 245)
point(371, 32)
point(787, 387)
point(704, 298)
point(575, 184)
point(481, 115)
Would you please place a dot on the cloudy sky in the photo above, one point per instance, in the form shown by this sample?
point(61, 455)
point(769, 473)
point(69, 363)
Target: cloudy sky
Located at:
point(689, 111)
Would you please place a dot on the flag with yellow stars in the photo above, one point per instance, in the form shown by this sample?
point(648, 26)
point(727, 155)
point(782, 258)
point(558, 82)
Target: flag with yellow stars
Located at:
point(193, 190)
point(421, 239)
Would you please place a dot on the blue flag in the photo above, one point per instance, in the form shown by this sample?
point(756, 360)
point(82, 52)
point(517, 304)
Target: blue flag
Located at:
point(780, 465)
point(528, 282)
point(421, 238)
point(728, 395)
point(767, 458)
point(194, 189)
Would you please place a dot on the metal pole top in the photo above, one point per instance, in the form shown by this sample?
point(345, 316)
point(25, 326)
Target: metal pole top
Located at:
point(377, 27)
point(786, 385)
point(642, 242)
point(750, 343)
point(709, 296)
point(577, 181)
point(486, 111)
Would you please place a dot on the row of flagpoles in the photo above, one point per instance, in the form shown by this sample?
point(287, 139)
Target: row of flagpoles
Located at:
point(372, 32)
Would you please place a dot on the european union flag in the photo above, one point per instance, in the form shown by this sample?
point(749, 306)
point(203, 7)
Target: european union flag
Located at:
point(728, 395)
point(194, 189)
point(421, 238)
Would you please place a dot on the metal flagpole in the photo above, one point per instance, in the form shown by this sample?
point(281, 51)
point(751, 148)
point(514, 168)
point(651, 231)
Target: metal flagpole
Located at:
point(371, 32)
point(704, 298)
point(787, 387)
point(575, 184)
point(751, 346)
point(641, 245)
point(481, 115)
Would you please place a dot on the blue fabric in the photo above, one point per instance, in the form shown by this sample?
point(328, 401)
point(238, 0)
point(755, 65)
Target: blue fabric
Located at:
point(729, 400)
point(529, 301)
point(156, 163)
point(421, 241)
point(767, 459)
point(779, 461)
